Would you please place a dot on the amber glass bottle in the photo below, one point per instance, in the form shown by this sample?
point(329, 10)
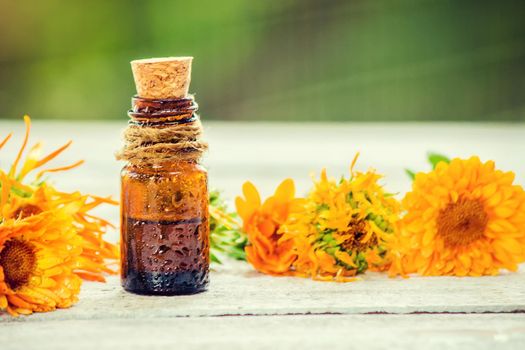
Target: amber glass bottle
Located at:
point(164, 210)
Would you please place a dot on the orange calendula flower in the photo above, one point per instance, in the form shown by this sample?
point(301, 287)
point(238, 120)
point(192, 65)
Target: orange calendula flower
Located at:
point(48, 239)
point(268, 251)
point(38, 254)
point(464, 218)
point(341, 228)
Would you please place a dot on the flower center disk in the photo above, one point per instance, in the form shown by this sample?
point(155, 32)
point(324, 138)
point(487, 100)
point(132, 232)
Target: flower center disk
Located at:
point(462, 223)
point(357, 231)
point(18, 261)
point(26, 211)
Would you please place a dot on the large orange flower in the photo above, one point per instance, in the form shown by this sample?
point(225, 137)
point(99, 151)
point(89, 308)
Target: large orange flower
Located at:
point(91, 264)
point(48, 239)
point(268, 251)
point(38, 254)
point(464, 218)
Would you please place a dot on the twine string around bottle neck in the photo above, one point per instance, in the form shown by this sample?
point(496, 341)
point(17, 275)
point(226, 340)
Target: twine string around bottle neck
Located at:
point(163, 131)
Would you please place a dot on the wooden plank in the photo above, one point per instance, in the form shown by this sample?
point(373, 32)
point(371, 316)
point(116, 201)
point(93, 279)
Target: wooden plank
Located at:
point(238, 290)
point(479, 332)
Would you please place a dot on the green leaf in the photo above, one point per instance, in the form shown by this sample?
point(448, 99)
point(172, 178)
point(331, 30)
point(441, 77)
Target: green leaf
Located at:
point(20, 193)
point(238, 253)
point(214, 259)
point(436, 158)
point(225, 241)
point(388, 194)
point(322, 207)
point(410, 174)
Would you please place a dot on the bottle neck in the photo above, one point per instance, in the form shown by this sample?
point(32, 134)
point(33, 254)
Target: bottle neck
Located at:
point(162, 112)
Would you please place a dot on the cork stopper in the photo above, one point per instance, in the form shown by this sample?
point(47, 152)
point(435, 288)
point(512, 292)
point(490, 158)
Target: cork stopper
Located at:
point(162, 78)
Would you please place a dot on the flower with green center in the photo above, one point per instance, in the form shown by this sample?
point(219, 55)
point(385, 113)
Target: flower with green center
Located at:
point(340, 228)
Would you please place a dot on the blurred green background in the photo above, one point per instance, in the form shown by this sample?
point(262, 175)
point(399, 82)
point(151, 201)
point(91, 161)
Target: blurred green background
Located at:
point(372, 60)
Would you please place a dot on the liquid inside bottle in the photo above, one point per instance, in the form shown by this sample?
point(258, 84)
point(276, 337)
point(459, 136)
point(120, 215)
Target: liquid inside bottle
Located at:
point(165, 243)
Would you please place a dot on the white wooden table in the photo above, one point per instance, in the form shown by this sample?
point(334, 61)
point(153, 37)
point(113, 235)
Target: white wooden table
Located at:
point(244, 309)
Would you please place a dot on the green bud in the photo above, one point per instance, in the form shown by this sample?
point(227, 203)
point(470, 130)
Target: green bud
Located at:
point(350, 200)
point(328, 238)
point(382, 224)
point(331, 250)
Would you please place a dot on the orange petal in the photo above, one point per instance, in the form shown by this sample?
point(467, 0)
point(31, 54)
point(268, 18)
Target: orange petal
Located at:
point(511, 245)
point(489, 190)
point(267, 228)
point(6, 188)
point(30, 161)
point(353, 163)
point(345, 257)
point(91, 276)
point(465, 261)
point(428, 236)
point(504, 212)
point(54, 170)
point(17, 301)
point(3, 301)
point(2, 144)
point(250, 203)
point(52, 155)
point(285, 191)
point(251, 194)
point(27, 121)
point(244, 210)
